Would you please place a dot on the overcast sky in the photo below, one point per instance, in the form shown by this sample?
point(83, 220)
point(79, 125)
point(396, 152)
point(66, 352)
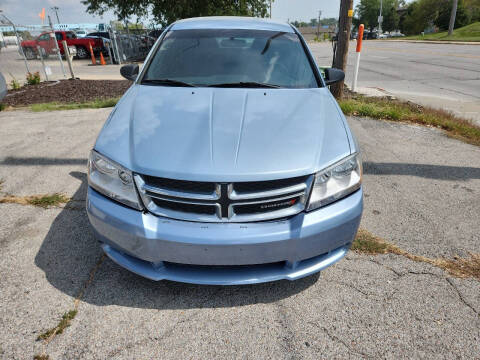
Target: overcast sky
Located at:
point(72, 11)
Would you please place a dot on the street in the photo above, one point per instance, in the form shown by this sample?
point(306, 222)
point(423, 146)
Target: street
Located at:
point(445, 76)
point(421, 193)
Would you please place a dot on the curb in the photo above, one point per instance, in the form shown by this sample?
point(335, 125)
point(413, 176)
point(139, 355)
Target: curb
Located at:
point(435, 42)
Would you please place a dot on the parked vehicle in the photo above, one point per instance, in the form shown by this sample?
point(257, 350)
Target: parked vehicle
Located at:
point(80, 33)
point(370, 35)
point(155, 33)
point(47, 43)
point(100, 34)
point(228, 161)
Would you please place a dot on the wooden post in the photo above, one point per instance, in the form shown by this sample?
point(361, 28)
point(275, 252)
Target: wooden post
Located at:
point(343, 39)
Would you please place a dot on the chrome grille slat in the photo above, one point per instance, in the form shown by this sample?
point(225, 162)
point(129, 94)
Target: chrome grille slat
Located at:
point(265, 194)
point(221, 206)
point(182, 194)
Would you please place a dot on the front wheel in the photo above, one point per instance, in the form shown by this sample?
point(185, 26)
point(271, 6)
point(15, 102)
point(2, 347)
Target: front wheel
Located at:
point(82, 52)
point(29, 53)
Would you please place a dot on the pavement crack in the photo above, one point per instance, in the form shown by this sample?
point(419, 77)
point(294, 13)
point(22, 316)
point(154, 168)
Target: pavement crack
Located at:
point(338, 340)
point(68, 316)
point(289, 335)
point(351, 287)
point(397, 273)
point(460, 296)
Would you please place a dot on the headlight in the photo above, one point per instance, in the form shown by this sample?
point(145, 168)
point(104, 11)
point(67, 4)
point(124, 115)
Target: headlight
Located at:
point(112, 180)
point(336, 182)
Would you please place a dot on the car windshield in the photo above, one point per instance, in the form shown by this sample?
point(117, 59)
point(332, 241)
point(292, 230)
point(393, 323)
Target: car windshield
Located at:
point(216, 57)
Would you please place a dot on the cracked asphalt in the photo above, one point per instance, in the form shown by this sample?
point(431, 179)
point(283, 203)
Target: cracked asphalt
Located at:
point(422, 192)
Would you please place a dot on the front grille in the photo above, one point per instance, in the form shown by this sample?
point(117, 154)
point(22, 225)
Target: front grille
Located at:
point(185, 207)
point(181, 185)
point(257, 186)
point(265, 207)
point(224, 202)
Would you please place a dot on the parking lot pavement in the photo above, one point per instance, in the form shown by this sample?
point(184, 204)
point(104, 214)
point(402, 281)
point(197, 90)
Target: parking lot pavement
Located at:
point(421, 193)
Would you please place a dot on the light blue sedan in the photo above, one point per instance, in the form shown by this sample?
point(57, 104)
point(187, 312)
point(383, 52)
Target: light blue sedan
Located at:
point(227, 161)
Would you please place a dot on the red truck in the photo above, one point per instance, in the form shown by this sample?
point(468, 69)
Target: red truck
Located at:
point(46, 42)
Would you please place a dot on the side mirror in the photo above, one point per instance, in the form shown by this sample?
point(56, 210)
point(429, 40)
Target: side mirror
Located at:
point(333, 76)
point(129, 72)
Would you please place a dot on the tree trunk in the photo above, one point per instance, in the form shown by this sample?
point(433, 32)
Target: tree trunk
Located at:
point(343, 39)
point(452, 17)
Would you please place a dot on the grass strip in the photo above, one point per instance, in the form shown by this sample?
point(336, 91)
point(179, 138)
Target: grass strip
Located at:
point(95, 104)
point(367, 243)
point(467, 33)
point(396, 110)
point(43, 201)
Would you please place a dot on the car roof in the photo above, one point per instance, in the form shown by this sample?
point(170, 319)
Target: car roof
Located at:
point(231, 22)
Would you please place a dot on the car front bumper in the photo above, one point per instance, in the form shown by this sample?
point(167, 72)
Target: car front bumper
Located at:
point(224, 253)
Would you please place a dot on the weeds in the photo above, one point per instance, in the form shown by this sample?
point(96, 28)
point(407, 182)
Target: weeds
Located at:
point(14, 84)
point(395, 110)
point(33, 79)
point(96, 104)
point(41, 357)
point(367, 243)
point(43, 201)
point(62, 325)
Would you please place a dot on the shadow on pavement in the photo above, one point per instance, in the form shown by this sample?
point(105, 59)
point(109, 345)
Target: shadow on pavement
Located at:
point(69, 252)
point(439, 172)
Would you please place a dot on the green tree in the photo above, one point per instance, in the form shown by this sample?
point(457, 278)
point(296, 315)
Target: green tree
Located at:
point(168, 11)
point(368, 11)
point(420, 15)
point(472, 8)
point(444, 12)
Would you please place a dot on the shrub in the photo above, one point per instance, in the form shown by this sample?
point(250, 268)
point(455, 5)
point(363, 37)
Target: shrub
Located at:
point(33, 79)
point(2, 107)
point(14, 84)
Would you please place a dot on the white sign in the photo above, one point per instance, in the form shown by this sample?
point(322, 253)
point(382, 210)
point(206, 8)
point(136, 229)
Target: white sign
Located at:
point(380, 19)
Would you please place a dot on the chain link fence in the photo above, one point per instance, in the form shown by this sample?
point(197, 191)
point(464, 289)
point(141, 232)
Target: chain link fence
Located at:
point(39, 51)
point(132, 44)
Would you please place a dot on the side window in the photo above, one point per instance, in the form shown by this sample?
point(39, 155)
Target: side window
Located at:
point(59, 36)
point(44, 37)
point(71, 35)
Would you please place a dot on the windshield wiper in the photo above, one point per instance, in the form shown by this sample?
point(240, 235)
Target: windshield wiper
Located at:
point(167, 82)
point(247, 84)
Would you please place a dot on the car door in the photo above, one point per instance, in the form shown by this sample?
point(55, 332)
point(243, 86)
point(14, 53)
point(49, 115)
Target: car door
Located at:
point(44, 41)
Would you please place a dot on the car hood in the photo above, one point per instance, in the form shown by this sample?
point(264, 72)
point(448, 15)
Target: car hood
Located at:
point(219, 134)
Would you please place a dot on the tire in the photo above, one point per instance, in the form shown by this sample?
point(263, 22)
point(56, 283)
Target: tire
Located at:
point(82, 52)
point(30, 54)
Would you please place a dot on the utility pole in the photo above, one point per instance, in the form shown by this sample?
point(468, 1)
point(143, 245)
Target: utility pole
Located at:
point(56, 8)
point(380, 18)
point(452, 17)
point(343, 39)
point(318, 25)
point(270, 9)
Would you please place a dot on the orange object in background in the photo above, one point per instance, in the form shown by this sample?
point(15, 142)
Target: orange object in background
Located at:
point(360, 37)
point(94, 61)
point(102, 60)
point(42, 15)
